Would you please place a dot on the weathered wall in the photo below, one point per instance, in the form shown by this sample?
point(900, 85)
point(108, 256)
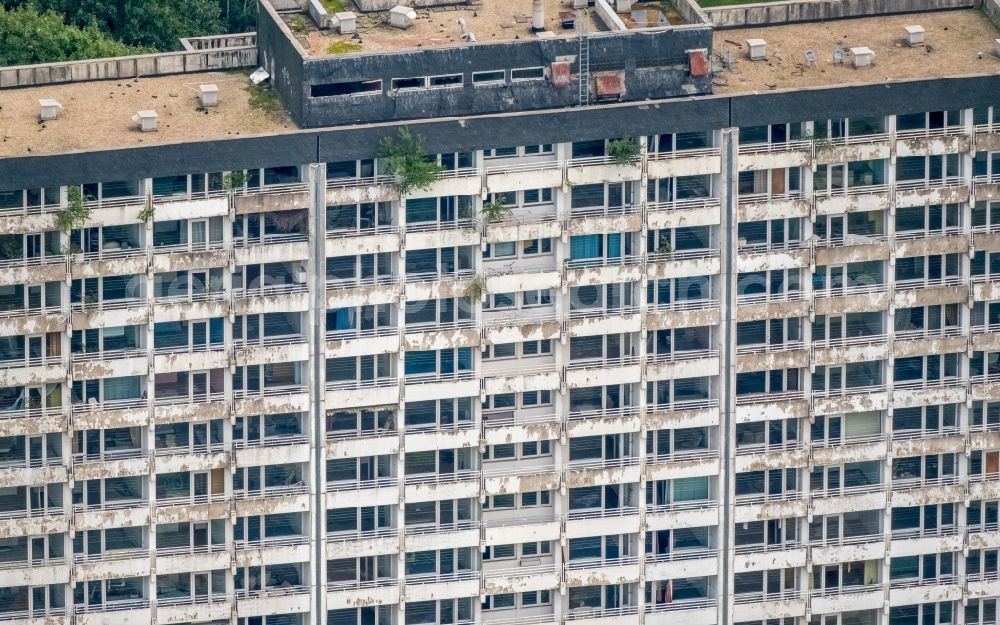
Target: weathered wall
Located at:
point(282, 57)
point(770, 13)
point(208, 58)
point(691, 11)
point(992, 9)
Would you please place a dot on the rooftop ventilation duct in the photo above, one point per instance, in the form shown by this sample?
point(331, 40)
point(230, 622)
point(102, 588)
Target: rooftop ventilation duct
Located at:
point(537, 16)
point(145, 120)
point(208, 95)
point(49, 109)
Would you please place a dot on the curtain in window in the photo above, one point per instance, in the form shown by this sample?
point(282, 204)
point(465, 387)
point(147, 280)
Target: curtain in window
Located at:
point(121, 388)
point(586, 246)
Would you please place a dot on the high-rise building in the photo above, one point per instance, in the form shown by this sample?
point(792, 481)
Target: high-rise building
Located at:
point(515, 314)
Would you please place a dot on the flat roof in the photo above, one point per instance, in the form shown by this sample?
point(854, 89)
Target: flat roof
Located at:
point(490, 21)
point(956, 43)
point(98, 114)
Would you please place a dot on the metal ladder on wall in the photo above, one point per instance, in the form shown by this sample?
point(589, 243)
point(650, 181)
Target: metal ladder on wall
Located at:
point(583, 35)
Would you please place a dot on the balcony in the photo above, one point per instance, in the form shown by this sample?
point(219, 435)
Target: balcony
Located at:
point(591, 571)
point(601, 616)
point(594, 271)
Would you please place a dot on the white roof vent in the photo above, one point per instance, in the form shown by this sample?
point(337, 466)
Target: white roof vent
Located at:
point(401, 17)
point(208, 95)
point(259, 75)
point(914, 35)
point(863, 56)
point(145, 120)
point(347, 22)
point(756, 49)
point(49, 109)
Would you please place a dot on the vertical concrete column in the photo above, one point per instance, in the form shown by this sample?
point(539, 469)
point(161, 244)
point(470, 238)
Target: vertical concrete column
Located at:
point(560, 399)
point(65, 345)
point(400, 208)
point(316, 270)
point(147, 190)
point(728, 178)
point(227, 380)
point(639, 199)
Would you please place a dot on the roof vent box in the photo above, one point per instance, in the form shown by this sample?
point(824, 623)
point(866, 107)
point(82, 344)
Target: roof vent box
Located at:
point(401, 17)
point(208, 95)
point(347, 22)
point(49, 109)
point(145, 120)
point(914, 35)
point(863, 57)
point(756, 49)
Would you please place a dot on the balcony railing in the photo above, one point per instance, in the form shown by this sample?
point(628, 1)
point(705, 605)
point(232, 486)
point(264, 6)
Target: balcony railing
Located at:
point(771, 148)
point(789, 594)
point(680, 605)
point(787, 545)
point(578, 614)
point(761, 498)
point(111, 606)
point(109, 455)
point(356, 535)
point(596, 263)
point(356, 484)
point(594, 563)
point(681, 555)
point(437, 578)
point(461, 475)
point(909, 483)
point(109, 404)
point(601, 513)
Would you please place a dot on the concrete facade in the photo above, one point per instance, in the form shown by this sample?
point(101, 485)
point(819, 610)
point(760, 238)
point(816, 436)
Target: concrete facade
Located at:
point(748, 375)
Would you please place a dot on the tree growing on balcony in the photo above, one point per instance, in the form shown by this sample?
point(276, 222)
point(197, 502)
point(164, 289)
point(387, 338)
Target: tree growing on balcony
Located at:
point(476, 289)
point(406, 159)
point(234, 181)
point(623, 151)
point(75, 213)
point(148, 212)
point(496, 210)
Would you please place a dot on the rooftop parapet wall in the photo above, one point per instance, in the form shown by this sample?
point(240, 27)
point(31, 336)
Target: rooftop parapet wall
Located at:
point(774, 13)
point(204, 54)
point(385, 5)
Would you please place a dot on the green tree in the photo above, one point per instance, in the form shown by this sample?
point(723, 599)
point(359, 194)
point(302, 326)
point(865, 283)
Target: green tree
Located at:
point(240, 16)
point(156, 24)
point(28, 36)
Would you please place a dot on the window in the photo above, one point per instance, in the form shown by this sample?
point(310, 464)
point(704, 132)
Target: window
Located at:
point(533, 348)
point(498, 602)
point(499, 502)
point(499, 301)
point(537, 196)
point(537, 298)
point(358, 87)
point(400, 84)
point(536, 398)
point(535, 499)
point(499, 552)
point(449, 80)
point(527, 73)
point(483, 78)
point(500, 351)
